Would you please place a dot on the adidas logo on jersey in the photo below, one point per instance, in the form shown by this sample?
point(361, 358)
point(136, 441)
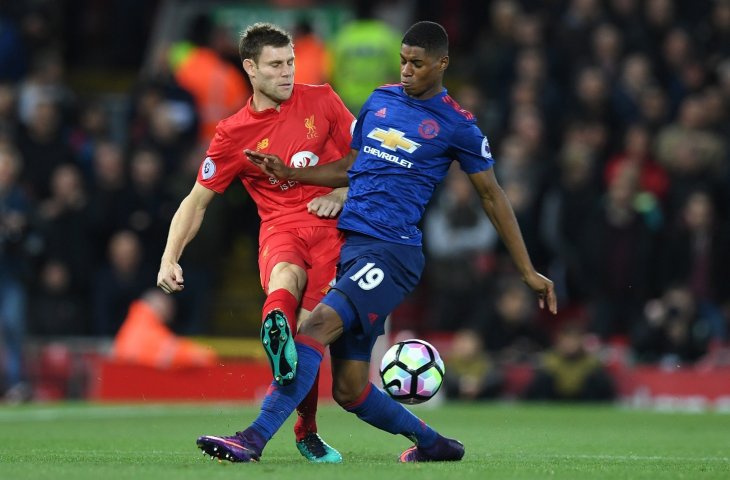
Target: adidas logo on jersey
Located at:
point(381, 113)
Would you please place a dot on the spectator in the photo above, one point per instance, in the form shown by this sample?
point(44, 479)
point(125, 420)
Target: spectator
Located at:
point(312, 58)
point(472, 374)
point(364, 56)
point(494, 58)
point(45, 84)
point(627, 17)
point(146, 339)
point(696, 253)
point(92, 126)
point(635, 77)
point(459, 240)
point(568, 371)
point(118, 282)
point(512, 333)
point(163, 113)
point(617, 254)
point(566, 211)
point(676, 66)
point(531, 68)
point(607, 43)
point(43, 147)
point(580, 19)
point(637, 151)
point(56, 306)
point(592, 98)
point(218, 87)
point(653, 109)
point(715, 32)
point(692, 155)
point(14, 212)
point(659, 17)
point(149, 208)
point(672, 331)
point(63, 222)
point(109, 196)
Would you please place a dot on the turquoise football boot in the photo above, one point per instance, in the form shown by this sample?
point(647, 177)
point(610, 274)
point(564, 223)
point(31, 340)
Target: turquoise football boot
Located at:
point(279, 346)
point(316, 450)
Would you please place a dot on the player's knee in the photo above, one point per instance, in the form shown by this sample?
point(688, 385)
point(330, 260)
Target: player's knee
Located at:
point(289, 276)
point(347, 393)
point(323, 325)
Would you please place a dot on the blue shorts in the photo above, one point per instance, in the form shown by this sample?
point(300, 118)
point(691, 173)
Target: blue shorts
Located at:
point(373, 278)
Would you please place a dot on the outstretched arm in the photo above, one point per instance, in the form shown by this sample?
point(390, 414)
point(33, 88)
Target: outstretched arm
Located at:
point(333, 174)
point(498, 209)
point(183, 228)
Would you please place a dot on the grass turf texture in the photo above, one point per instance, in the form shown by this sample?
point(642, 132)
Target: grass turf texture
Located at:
point(79, 441)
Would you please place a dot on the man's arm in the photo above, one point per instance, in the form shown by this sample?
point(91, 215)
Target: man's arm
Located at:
point(183, 228)
point(498, 209)
point(333, 174)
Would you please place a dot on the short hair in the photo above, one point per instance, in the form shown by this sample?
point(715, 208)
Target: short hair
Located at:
point(430, 36)
point(259, 35)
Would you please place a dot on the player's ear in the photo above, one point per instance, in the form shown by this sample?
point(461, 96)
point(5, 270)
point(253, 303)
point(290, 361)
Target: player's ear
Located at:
point(249, 67)
point(444, 63)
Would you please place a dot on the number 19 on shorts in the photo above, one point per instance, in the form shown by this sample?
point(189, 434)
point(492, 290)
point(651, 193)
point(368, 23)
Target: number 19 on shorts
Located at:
point(368, 277)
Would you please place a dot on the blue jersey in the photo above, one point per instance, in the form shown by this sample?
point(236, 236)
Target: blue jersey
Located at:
point(405, 149)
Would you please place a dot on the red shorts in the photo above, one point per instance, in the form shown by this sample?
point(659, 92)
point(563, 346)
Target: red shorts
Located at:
point(315, 249)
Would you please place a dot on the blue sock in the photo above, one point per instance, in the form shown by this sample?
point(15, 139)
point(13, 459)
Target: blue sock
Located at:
point(280, 401)
point(381, 411)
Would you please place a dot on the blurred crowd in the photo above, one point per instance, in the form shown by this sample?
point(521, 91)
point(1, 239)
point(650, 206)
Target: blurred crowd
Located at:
point(609, 121)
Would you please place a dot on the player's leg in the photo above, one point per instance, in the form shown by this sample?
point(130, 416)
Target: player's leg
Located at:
point(323, 327)
point(308, 442)
point(287, 256)
point(315, 332)
point(319, 330)
point(321, 254)
point(283, 267)
point(353, 391)
point(374, 285)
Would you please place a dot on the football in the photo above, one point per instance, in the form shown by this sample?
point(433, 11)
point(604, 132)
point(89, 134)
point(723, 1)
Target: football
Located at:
point(412, 371)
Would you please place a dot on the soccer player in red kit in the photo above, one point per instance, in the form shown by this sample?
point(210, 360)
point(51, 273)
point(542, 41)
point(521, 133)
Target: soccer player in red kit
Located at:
point(299, 243)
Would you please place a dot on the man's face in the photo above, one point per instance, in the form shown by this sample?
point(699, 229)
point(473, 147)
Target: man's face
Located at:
point(420, 73)
point(273, 74)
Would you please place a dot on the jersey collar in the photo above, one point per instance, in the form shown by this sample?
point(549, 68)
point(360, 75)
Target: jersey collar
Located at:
point(270, 112)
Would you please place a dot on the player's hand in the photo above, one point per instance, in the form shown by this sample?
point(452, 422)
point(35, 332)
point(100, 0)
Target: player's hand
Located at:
point(170, 277)
point(545, 291)
point(327, 206)
point(269, 164)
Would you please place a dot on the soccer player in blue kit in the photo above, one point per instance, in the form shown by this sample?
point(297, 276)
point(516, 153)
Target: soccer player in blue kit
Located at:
point(404, 140)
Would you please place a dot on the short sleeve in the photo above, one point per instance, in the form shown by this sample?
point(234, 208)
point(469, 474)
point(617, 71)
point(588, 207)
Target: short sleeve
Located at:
point(341, 122)
point(220, 165)
point(470, 148)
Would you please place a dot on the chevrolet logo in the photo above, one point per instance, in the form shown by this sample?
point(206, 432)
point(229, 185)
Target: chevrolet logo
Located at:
point(393, 140)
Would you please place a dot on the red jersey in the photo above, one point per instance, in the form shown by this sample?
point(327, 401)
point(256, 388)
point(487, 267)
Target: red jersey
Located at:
point(312, 127)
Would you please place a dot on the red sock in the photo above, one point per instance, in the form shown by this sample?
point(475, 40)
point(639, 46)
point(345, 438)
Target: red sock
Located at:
point(307, 412)
point(282, 299)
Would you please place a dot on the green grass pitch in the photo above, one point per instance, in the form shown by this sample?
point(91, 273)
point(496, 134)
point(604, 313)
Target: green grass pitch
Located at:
point(503, 441)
